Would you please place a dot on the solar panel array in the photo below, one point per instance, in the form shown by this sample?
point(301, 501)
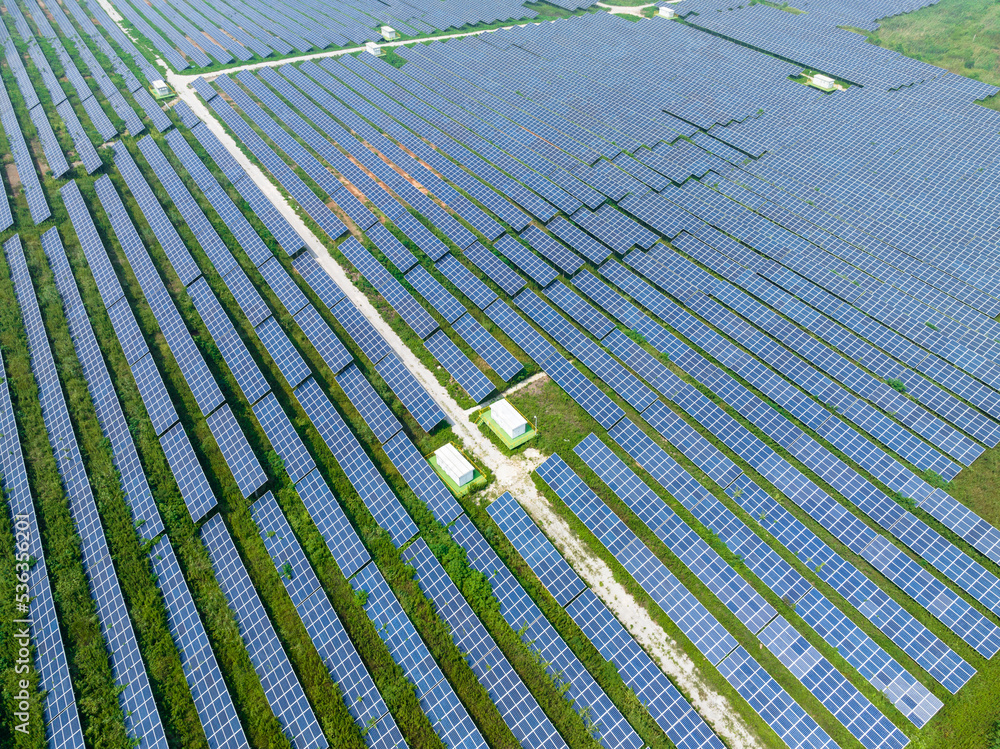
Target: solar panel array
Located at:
point(437, 698)
point(136, 698)
point(369, 404)
point(521, 613)
point(62, 719)
point(281, 686)
point(201, 670)
point(410, 392)
point(457, 364)
point(236, 451)
point(361, 472)
point(324, 626)
point(518, 707)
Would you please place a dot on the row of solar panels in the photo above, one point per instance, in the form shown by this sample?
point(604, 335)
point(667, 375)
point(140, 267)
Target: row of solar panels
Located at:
point(955, 518)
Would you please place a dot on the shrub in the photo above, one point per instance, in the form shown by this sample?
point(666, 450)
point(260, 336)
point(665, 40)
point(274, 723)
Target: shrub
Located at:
point(897, 385)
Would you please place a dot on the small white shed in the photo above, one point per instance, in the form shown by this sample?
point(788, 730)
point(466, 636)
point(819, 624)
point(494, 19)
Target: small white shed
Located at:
point(824, 82)
point(667, 12)
point(160, 88)
point(454, 464)
point(507, 418)
point(373, 49)
point(388, 33)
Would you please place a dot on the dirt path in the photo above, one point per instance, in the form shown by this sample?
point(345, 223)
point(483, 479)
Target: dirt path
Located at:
point(512, 474)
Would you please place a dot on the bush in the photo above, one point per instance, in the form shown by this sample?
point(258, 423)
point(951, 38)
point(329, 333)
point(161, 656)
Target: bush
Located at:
point(935, 479)
point(897, 385)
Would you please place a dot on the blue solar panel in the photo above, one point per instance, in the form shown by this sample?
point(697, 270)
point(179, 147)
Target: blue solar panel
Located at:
point(556, 575)
point(420, 235)
point(478, 293)
point(556, 252)
point(537, 269)
point(323, 339)
point(237, 452)
point(369, 404)
point(281, 686)
point(284, 439)
point(707, 634)
point(289, 361)
point(411, 393)
point(495, 269)
point(154, 394)
point(421, 478)
point(440, 298)
point(414, 315)
point(579, 309)
point(235, 353)
point(795, 727)
point(483, 343)
point(321, 621)
point(717, 575)
point(361, 331)
point(211, 698)
point(187, 470)
point(246, 295)
point(520, 710)
point(562, 664)
point(437, 699)
point(361, 472)
point(283, 286)
point(318, 279)
point(343, 542)
point(391, 247)
point(474, 382)
point(583, 243)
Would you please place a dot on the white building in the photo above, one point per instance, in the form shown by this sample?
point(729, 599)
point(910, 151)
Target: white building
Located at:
point(454, 464)
point(373, 49)
point(667, 12)
point(160, 88)
point(507, 418)
point(824, 82)
point(388, 33)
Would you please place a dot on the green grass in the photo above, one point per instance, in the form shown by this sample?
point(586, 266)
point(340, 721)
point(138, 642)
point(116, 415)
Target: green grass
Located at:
point(962, 36)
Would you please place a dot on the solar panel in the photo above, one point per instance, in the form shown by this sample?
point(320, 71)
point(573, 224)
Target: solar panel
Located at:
point(283, 437)
point(369, 404)
point(559, 254)
point(283, 286)
point(201, 670)
point(858, 715)
point(187, 471)
point(281, 686)
point(583, 243)
point(321, 621)
point(556, 575)
point(323, 339)
point(707, 634)
point(479, 293)
point(579, 310)
point(341, 538)
point(420, 235)
point(54, 156)
point(437, 699)
point(537, 269)
point(154, 394)
point(237, 451)
point(361, 472)
point(391, 247)
point(671, 711)
point(483, 343)
point(362, 332)
point(519, 709)
point(440, 298)
point(494, 268)
point(414, 315)
point(519, 611)
point(239, 360)
point(246, 295)
point(410, 392)
point(292, 365)
point(421, 478)
point(318, 279)
point(474, 382)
